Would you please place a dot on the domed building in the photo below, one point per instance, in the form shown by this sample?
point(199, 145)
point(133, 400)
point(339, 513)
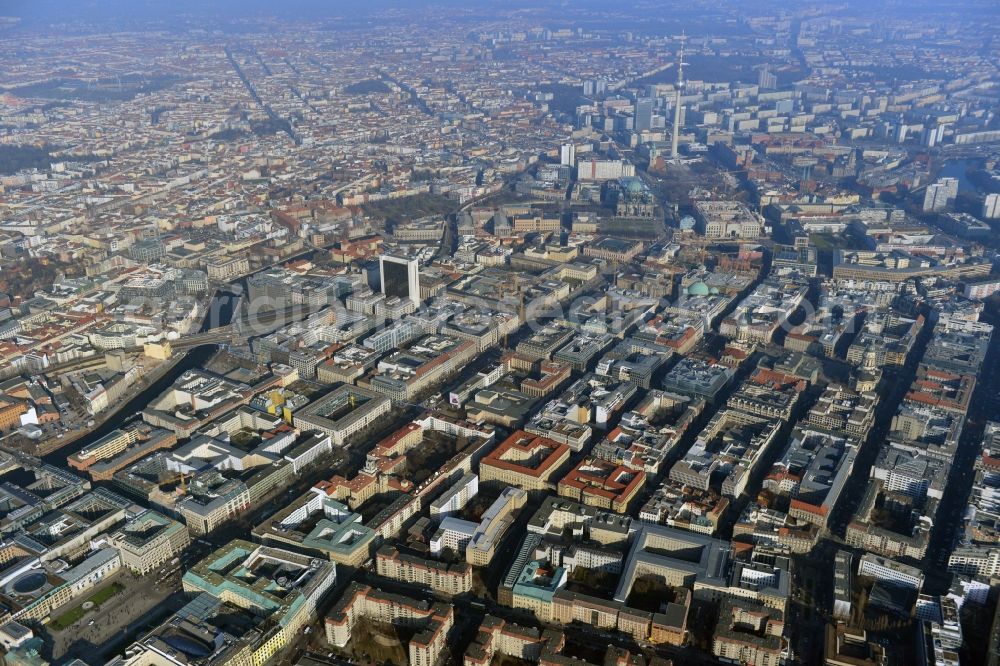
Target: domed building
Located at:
point(634, 199)
point(698, 288)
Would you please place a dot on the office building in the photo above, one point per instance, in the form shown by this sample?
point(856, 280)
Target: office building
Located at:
point(148, 251)
point(886, 570)
point(209, 632)
point(479, 540)
point(456, 497)
point(524, 460)
point(317, 523)
point(643, 114)
point(597, 169)
point(704, 565)
point(843, 577)
point(982, 288)
point(400, 278)
point(344, 412)
point(602, 484)
point(286, 586)
point(847, 646)
point(32, 592)
point(728, 219)
point(535, 587)
point(148, 540)
point(698, 379)
point(225, 268)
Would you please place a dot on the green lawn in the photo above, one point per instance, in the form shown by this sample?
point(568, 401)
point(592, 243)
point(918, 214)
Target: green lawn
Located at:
point(827, 242)
point(103, 595)
point(68, 618)
point(77, 612)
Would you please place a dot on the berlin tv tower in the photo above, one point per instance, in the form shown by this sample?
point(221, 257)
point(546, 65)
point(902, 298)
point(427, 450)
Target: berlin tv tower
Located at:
point(677, 97)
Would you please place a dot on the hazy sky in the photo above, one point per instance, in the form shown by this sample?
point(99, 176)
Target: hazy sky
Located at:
point(131, 13)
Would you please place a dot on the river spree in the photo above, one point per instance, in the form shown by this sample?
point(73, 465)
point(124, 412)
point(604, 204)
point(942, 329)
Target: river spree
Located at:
point(957, 169)
point(220, 313)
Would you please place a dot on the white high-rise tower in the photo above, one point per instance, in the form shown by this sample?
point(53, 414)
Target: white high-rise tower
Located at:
point(677, 98)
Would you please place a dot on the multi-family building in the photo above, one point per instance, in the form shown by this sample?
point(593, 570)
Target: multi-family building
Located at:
point(438, 576)
point(432, 621)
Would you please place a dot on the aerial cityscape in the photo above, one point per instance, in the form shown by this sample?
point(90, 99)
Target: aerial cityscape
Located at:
point(530, 333)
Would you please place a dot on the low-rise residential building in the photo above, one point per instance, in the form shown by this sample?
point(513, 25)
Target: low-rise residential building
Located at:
point(499, 637)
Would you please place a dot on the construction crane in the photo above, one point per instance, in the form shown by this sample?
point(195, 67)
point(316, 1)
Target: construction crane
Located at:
point(182, 477)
